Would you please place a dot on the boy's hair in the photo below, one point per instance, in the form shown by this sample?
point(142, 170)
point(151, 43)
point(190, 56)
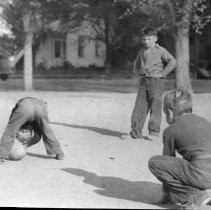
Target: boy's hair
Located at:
point(149, 31)
point(178, 100)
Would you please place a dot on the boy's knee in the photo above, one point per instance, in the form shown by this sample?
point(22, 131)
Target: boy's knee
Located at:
point(154, 161)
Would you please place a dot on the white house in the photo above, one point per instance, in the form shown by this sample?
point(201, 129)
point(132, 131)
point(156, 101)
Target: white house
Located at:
point(79, 48)
point(4, 30)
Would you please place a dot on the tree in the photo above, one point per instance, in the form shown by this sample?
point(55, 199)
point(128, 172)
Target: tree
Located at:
point(23, 19)
point(177, 16)
point(33, 17)
point(29, 19)
point(103, 17)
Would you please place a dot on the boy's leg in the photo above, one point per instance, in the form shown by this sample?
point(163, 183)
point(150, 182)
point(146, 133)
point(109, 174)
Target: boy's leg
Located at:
point(20, 115)
point(185, 183)
point(140, 110)
point(155, 90)
point(50, 141)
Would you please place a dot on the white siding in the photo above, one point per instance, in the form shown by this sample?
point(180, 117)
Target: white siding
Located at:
point(89, 57)
point(45, 53)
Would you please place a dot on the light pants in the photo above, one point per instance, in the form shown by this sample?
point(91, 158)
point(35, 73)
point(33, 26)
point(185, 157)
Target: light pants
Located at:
point(29, 110)
point(185, 182)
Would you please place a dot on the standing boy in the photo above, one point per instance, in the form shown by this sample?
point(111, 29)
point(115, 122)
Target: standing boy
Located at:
point(152, 63)
point(185, 179)
point(30, 112)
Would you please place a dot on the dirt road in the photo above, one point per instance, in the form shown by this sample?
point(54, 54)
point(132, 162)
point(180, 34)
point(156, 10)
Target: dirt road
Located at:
point(99, 170)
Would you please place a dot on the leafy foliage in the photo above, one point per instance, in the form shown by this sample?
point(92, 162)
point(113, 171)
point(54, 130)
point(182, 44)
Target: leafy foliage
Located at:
point(115, 22)
point(172, 13)
point(42, 14)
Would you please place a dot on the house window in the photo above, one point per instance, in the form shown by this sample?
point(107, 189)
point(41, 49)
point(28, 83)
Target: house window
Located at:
point(81, 45)
point(97, 48)
point(64, 48)
point(60, 48)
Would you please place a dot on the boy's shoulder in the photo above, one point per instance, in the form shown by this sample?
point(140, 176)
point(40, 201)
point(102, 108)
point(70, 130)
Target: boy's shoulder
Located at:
point(158, 47)
point(172, 129)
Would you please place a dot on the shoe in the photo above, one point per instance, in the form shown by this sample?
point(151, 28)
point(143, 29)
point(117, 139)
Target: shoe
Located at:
point(186, 206)
point(129, 136)
point(60, 156)
point(153, 138)
point(153, 135)
point(126, 136)
point(205, 200)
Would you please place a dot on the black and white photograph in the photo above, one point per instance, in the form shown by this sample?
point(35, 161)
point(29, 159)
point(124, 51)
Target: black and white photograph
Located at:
point(105, 104)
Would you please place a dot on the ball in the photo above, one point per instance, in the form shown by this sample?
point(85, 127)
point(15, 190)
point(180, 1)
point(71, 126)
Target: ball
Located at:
point(18, 151)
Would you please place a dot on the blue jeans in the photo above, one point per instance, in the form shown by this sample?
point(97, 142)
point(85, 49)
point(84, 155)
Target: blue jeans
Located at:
point(149, 99)
point(29, 111)
point(184, 181)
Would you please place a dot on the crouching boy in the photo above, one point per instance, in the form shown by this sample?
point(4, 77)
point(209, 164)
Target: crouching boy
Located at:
point(185, 180)
point(29, 114)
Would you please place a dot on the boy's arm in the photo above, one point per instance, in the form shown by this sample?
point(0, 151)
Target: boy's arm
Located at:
point(168, 144)
point(170, 62)
point(137, 63)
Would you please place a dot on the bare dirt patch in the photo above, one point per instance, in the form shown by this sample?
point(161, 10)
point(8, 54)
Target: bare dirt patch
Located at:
point(100, 170)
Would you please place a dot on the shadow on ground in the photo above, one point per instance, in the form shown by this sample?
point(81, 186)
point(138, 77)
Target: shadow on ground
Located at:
point(114, 187)
point(102, 131)
point(39, 156)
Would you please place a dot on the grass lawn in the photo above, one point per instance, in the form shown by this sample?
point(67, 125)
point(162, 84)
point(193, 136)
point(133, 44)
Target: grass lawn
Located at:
point(121, 85)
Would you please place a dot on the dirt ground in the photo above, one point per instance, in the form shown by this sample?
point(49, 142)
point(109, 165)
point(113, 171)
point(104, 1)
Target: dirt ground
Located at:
point(100, 170)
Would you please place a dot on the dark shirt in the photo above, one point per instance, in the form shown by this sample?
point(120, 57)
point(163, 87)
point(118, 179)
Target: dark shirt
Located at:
point(154, 62)
point(189, 135)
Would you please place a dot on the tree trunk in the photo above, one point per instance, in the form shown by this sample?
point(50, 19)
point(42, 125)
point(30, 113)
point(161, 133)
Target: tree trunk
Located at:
point(107, 45)
point(28, 63)
point(183, 59)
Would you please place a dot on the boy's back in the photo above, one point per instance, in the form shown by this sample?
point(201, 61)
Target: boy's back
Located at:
point(190, 135)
